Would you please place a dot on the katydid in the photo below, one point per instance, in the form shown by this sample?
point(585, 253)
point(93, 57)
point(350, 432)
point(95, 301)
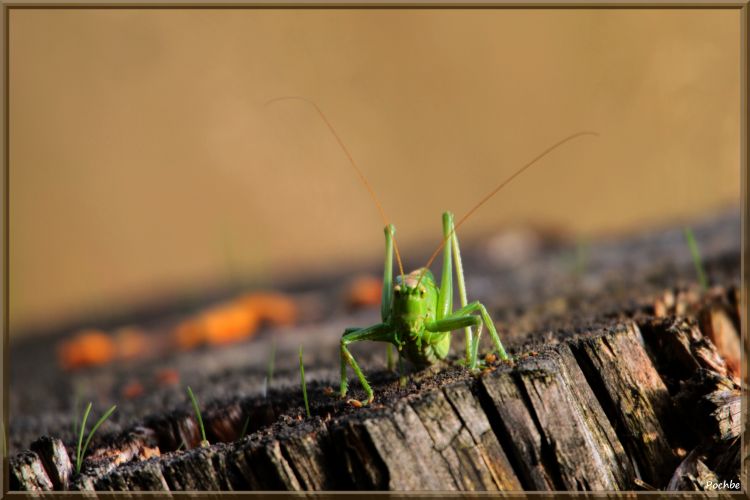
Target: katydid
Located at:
point(417, 315)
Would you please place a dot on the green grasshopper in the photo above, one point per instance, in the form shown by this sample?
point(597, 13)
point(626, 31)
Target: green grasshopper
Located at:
point(417, 316)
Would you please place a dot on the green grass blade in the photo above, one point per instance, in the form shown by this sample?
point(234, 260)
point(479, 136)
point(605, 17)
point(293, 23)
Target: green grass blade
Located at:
point(696, 255)
point(93, 429)
point(302, 380)
point(80, 437)
point(197, 413)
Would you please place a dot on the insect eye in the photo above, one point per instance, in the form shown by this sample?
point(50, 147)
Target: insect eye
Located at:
point(397, 290)
point(422, 291)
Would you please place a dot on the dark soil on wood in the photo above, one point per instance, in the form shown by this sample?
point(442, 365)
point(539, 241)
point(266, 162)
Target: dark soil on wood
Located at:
point(623, 378)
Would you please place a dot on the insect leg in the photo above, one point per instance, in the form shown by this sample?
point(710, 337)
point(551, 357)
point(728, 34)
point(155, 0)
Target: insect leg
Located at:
point(445, 295)
point(401, 376)
point(464, 317)
point(461, 289)
point(380, 332)
point(385, 302)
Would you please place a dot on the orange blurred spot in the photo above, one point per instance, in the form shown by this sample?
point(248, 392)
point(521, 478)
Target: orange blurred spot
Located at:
point(87, 348)
point(228, 324)
point(132, 390)
point(274, 308)
point(235, 321)
point(188, 334)
point(168, 376)
point(131, 343)
point(223, 324)
point(364, 291)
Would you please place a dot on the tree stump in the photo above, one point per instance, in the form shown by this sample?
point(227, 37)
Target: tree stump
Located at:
point(632, 385)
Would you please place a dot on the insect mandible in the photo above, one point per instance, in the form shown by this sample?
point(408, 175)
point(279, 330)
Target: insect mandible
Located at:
point(417, 315)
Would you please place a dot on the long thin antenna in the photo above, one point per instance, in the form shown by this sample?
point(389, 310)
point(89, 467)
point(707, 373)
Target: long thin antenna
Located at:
point(353, 163)
point(497, 189)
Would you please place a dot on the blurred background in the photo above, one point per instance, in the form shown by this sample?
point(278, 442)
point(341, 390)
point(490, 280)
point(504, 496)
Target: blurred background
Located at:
point(144, 164)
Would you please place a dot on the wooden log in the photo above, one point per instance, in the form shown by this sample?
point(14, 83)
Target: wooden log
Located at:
point(518, 428)
point(692, 474)
point(717, 324)
point(468, 408)
point(177, 430)
point(84, 482)
point(55, 459)
point(633, 395)
point(360, 459)
point(134, 476)
point(678, 349)
point(475, 460)
point(310, 454)
point(264, 467)
point(561, 439)
point(26, 473)
point(198, 469)
point(712, 406)
point(392, 450)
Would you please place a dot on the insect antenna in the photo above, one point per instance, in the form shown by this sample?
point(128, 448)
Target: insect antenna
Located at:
point(353, 164)
point(495, 191)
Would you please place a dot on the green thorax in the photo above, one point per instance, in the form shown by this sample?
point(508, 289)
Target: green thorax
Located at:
point(414, 304)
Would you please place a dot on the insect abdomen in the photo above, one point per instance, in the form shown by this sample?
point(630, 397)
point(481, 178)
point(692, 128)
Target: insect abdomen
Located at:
point(426, 354)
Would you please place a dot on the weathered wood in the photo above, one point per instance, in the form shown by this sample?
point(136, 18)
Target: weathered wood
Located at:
point(633, 395)
point(55, 459)
point(260, 465)
point(177, 430)
point(678, 349)
point(469, 410)
point(360, 459)
point(135, 476)
point(84, 482)
point(225, 424)
point(308, 451)
point(606, 441)
point(580, 414)
point(561, 418)
point(578, 455)
point(198, 469)
point(514, 421)
point(712, 404)
point(27, 473)
point(137, 445)
point(557, 443)
point(464, 454)
point(717, 324)
point(400, 442)
point(692, 474)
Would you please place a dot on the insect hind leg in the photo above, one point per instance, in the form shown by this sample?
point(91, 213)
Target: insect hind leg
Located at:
point(464, 317)
point(460, 282)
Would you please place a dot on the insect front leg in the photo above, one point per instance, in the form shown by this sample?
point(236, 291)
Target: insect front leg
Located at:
point(381, 332)
point(401, 372)
point(466, 317)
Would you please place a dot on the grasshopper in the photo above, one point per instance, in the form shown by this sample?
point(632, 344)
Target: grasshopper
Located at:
point(417, 316)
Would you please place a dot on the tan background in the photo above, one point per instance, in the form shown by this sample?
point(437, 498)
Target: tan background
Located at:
point(143, 162)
